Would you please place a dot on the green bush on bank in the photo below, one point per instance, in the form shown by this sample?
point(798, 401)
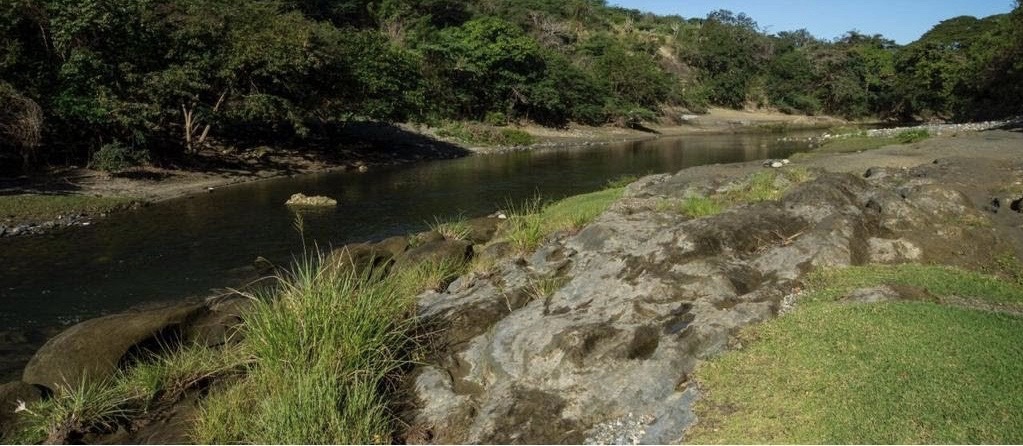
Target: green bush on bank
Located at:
point(478, 134)
point(115, 156)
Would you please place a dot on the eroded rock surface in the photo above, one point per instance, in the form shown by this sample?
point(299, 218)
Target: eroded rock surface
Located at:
point(647, 294)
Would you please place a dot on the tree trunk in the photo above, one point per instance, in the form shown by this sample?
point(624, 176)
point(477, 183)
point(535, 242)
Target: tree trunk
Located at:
point(206, 130)
point(189, 128)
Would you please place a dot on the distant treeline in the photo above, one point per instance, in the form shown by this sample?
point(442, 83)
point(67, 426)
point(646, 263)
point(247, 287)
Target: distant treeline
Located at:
point(117, 81)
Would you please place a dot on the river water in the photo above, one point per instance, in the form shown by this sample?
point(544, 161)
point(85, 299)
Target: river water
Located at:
point(187, 246)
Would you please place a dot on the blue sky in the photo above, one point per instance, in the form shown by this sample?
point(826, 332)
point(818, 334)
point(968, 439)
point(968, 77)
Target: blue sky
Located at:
point(901, 20)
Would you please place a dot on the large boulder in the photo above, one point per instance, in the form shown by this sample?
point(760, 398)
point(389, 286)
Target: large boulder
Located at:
point(363, 258)
point(12, 395)
point(221, 324)
point(453, 251)
point(394, 245)
point(93, 350)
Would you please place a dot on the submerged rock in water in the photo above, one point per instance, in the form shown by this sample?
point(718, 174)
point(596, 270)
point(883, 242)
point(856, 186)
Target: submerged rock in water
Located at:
point(300, 199)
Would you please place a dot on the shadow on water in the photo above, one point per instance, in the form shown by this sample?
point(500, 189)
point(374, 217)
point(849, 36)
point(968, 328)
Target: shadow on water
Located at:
point(187, 246)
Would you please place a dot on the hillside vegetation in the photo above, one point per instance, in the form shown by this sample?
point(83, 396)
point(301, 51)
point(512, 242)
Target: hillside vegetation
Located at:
point(121, 82)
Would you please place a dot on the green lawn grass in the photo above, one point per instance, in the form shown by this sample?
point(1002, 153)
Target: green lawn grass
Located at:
point(855, 144)
point(861, 142)
point(937, 280)
point(897, 372)
point(37, 208)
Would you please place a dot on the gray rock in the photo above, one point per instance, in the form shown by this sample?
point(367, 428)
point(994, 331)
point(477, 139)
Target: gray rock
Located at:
point(877, 173)
point(93, 350)
point(362, 258)
point(871, 295)
point(429, 237)
point(496, 250)
point(892, 251)
point(394, 245)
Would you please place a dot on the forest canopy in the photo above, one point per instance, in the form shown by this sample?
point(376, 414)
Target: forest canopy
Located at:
point(125, 80)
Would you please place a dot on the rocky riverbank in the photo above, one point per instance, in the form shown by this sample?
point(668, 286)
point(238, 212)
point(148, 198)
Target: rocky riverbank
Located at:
point(933, 129)
point(594, 335)
point(646, 292)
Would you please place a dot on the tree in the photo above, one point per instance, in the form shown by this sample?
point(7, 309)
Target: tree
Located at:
point(488, 64)
point(934, 71)
point(729, 54)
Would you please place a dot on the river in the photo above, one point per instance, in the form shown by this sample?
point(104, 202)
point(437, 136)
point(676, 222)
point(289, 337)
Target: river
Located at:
point(187, 246)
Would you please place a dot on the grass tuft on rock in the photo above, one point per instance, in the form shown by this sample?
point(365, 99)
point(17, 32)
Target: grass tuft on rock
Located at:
point(760, 186)
point(529, 224)
point(456, 229)
point(79, 407)
point(325, 346)
point(895, 372)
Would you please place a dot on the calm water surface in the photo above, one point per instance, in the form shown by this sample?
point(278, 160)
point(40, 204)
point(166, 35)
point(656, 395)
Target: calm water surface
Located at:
point(187, 246)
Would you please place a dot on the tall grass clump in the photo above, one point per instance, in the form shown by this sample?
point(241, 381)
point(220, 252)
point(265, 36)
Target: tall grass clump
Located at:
point(694, 206)
point(326, 346)
point(167, 375)
point(457, 229)
point(100, 406)
point(74, 408)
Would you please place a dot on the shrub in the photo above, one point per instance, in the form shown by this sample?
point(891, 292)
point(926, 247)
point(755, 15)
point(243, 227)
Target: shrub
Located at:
point(514, 137)
point(485, 135)
point(496, 118)
point(116, 156)
point(911, 136)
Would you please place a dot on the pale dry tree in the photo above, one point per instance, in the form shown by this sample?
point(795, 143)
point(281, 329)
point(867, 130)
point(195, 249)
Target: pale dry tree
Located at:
point(21, 122)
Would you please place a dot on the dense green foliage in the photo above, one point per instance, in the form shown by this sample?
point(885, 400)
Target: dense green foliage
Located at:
point(119, 82)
